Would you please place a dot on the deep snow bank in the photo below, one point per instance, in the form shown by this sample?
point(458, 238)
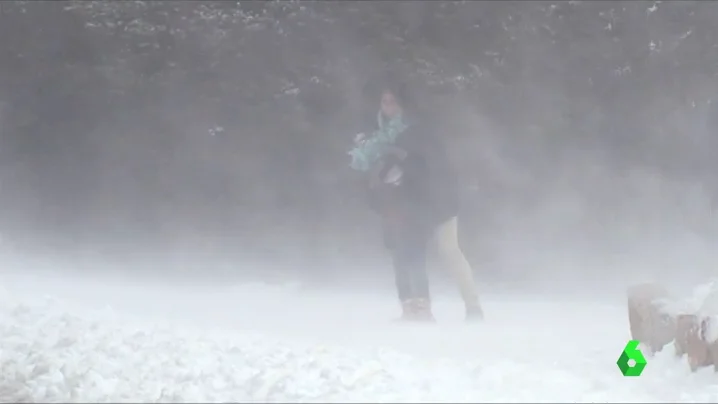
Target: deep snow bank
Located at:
point(52, 350)
point(47, 354)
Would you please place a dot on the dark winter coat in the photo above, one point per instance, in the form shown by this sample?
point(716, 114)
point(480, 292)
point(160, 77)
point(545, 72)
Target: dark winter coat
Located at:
point(427, 193)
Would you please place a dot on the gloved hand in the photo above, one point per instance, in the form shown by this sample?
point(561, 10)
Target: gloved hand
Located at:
point(393, 176)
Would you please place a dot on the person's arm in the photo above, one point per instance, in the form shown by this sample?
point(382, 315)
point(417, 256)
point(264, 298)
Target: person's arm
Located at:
point(398, 152)
point(375, 186)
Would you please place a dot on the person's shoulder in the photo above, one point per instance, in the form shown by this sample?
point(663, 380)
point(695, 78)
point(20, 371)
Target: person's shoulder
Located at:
point(426, 132)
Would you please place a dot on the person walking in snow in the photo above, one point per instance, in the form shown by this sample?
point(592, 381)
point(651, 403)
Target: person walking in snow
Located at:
point(414, 189)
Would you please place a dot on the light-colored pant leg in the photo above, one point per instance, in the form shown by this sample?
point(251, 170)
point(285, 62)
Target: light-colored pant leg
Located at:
point(451, 257)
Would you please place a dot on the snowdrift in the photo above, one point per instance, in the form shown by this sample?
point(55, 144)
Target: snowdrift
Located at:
point(657, 319)
point(54, 350)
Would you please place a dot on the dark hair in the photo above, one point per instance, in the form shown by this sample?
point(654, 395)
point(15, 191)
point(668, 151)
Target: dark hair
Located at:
point(400, 91)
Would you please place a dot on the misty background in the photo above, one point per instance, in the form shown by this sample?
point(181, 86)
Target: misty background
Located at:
point(212, 136)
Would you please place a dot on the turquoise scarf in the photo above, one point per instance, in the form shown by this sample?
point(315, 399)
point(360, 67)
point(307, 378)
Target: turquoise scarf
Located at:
point(372, 149)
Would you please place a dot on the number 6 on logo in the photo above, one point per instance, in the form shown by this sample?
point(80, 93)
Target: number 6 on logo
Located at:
point(631, 362)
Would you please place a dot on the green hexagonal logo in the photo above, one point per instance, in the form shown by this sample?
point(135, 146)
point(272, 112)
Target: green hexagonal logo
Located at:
point(631, 362)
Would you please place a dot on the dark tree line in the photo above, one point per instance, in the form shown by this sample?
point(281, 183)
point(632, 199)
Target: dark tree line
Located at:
point(221, 126)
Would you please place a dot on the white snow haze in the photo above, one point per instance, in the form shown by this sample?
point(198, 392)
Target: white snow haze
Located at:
point(179, 221)
point(104, 336)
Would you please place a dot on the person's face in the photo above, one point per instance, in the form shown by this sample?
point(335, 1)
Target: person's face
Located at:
point(389, 106)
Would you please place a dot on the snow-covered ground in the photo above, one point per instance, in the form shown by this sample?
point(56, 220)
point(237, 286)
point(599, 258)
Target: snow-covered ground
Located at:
point(113, 340)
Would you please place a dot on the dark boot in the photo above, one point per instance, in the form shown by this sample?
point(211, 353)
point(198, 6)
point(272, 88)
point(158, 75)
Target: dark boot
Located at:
point(408, 309)
point(474, 313)
point(422, 310)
